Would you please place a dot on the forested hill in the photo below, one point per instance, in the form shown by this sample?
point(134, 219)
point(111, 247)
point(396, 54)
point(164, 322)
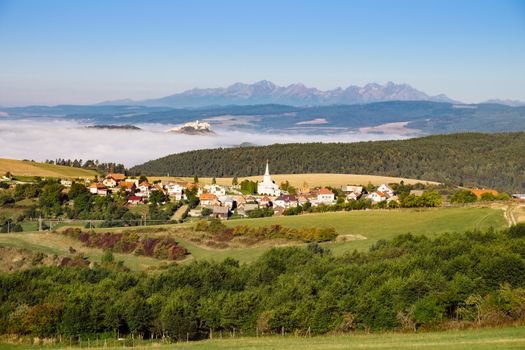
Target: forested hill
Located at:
point(489, 160)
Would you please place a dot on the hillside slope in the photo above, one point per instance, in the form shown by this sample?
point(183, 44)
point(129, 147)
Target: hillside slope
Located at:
point(474, 159)
point(27, 168)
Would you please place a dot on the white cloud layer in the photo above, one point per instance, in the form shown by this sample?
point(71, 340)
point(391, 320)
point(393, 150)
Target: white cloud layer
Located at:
point(50, 139)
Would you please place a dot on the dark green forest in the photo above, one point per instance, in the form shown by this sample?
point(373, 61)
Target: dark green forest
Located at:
point(410, 282)
point(470, 159)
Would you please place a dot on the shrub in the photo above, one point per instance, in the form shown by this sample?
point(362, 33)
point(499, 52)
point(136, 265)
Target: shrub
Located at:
point(129, 242)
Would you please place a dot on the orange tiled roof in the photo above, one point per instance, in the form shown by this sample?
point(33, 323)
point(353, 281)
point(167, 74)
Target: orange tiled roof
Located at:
point(325, 190)
point(98, 186)
point(117, 176)
point(207, 196)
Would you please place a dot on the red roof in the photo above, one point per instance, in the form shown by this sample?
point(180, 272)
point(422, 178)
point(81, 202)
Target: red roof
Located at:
point(98, 186)
point(134, 198)
point(325, 190)
point(117, 176)
point(207, 196)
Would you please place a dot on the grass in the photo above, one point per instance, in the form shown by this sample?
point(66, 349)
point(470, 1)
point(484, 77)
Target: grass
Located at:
point(385, 224)
point(371, 226)
point(52, 243)
point(312, 180)
point(480, 339)
point(24, 169)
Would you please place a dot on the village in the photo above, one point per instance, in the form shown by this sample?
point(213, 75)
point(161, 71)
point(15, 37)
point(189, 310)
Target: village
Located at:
point(222, 201)
point(259, 198)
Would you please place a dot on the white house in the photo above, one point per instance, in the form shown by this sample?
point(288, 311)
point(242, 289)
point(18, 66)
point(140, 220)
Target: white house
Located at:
point(208, 199)
point(377, 196)
point(98, 189)
point(174, 189)
point(384, 188)
point(325, 196)
point(352, 196)
point(215, 189)
point(144, 189)
point(113, 179)
point(285, 201)
point(267, 186)
point(226, 201)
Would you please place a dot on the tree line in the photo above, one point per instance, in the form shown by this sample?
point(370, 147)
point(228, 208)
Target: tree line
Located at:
point(409, 282)
point(90, 164)
point(469, 159)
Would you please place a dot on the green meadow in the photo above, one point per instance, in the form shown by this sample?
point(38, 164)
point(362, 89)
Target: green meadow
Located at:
point(480, 339)
point(358, 230)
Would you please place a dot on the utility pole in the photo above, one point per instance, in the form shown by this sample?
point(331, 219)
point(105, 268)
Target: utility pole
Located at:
point(8, 224)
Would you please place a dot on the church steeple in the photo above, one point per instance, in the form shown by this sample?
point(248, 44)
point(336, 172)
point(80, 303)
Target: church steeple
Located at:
point(267, 186)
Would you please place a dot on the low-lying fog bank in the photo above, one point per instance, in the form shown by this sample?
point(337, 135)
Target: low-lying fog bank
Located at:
point(41, 139)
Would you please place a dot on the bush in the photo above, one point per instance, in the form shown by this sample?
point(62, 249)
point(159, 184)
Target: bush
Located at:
point(6, 199)
point(517, 231)
point(464, 196)
point(129, 242)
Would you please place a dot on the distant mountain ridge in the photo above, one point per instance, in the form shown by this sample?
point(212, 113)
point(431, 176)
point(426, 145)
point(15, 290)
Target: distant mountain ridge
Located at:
point(266, 92)
point(511, 103)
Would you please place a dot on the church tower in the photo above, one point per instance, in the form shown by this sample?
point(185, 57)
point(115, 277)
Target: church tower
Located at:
point(267, 178)
point(267, 187)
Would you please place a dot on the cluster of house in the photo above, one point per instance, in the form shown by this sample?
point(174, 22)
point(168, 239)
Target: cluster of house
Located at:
point(221, 204)
point(138, 191)
point(221, 201)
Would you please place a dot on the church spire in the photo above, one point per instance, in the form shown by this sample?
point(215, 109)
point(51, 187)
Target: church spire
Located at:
point(267, 172)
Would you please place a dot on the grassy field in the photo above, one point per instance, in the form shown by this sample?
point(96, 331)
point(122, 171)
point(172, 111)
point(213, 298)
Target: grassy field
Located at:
point(26, 168)
point(488, 338)
point(385, 224)
point(369, 226)
point(50, 243)
point(357, 230)
point(312, 180)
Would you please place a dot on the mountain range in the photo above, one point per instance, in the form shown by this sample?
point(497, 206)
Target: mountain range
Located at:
point(266, 92)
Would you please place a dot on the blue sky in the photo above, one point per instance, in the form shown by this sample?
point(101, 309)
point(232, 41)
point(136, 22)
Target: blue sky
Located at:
point(87, 51)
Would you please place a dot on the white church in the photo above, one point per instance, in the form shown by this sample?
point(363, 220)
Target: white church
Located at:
point(267, 187)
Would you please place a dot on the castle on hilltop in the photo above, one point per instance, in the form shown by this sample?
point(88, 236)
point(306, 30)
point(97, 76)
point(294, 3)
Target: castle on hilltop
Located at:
point(193, 128)
point(267, 187)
